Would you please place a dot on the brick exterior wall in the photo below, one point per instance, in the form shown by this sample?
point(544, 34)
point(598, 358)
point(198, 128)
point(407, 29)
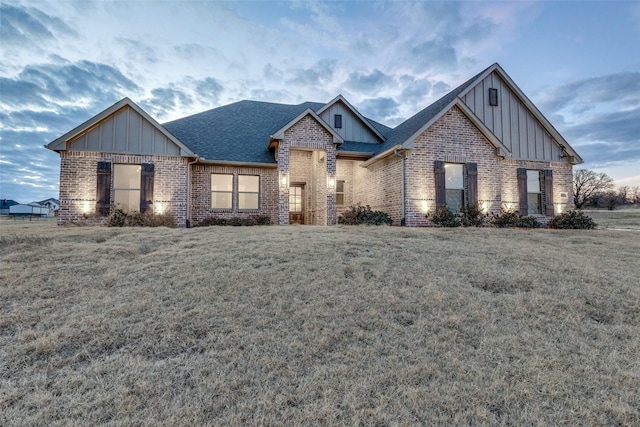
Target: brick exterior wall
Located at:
point(308, 135)
point(380, 186)
point(201, 193)
point(454, 138)
point(78, 184)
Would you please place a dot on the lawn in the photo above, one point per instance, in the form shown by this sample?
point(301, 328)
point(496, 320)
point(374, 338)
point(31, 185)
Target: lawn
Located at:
point(307, 325)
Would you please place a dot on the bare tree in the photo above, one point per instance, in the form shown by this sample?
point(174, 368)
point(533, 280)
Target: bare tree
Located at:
point(624, 192)
point(635, 195)
point(587, 183)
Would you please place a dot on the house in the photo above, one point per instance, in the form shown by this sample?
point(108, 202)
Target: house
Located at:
point(52, 204)
point(31, 209)
point(484, 142)
point(5, 204)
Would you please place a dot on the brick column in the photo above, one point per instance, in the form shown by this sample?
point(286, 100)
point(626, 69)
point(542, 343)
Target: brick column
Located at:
point(283, 192)
point(331, 193)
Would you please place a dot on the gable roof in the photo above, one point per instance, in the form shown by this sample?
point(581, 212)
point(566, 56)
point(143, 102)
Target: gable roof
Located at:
point(367, 123)
point(59, 144)
point(237, 132)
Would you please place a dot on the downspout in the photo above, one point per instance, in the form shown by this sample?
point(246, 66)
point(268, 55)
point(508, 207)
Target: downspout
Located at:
point(188, 221)
point(397, 154)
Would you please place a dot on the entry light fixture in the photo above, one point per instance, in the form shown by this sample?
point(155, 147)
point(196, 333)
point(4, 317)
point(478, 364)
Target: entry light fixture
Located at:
point(283, 179)
point(331, 182)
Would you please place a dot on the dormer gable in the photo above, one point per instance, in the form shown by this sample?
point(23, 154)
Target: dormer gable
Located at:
point(514, 120)
point(345, 120)
point(122, 128)
point(280, 133)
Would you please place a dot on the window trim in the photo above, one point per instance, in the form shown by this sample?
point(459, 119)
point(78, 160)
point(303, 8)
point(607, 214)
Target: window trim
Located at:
point(230, 208)
point(539, 193)
point(337, 121)
point(341, 193)
point(257, 208)
point(128, 189)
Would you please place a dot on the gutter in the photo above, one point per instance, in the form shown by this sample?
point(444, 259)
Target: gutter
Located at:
point(403, 157)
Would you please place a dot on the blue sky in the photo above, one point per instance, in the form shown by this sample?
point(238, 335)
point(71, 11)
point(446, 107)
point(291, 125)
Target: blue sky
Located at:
point(63, 62)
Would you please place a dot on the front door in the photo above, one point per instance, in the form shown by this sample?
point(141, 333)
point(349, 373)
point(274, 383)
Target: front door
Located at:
point(296, 204)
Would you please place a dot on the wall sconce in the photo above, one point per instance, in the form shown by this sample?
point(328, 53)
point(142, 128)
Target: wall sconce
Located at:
point(424, 205)
point(158, 208)
point(485, 207)
point(331, 182)
point(283, 179)
point(86, 206)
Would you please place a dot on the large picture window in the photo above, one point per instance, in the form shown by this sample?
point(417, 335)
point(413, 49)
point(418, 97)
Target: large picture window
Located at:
point(248, 192)
point(454, 186)
point(534, 193)
point(126, 187)
point(221, 191)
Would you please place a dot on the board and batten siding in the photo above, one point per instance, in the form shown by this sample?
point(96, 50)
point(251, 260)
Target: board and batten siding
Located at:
point(125, 131)
point(352, 127)
point(512, 122)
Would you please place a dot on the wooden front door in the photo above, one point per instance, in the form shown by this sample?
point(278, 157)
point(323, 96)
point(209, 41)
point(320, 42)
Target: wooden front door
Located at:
point(296, 204)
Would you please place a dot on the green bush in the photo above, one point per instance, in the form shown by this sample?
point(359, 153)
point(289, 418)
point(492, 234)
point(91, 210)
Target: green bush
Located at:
point(575, 220)
point(120, 218)
point(509, 218)
point(472, 216)
point(236, 221)
point(445, 218)
point(359, 214)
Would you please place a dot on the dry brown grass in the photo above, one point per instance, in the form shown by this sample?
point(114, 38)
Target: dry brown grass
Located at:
point(624, 217)
point(318, 325)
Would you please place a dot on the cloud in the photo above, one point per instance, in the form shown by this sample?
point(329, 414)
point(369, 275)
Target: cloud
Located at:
point(187, 94)
point(46, 86)
point(321, 72)
point(29, 27)
point(584, 95)
point(368, 82)
point(379, 109)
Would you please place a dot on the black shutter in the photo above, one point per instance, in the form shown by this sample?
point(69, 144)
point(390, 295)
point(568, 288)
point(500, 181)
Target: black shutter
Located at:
point(472, 183)
point(146, 187)
point(548, 192)
point(103, 189)
point(441, 194)
point(522, 191)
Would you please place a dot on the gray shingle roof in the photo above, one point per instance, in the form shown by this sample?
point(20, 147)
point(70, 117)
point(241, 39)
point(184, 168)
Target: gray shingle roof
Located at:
point(240, 131)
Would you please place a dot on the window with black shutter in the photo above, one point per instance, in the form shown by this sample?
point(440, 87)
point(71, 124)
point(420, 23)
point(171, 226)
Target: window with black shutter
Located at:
point(103, 188)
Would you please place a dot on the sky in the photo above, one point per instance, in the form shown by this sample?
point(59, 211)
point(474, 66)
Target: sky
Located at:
point(62, 62)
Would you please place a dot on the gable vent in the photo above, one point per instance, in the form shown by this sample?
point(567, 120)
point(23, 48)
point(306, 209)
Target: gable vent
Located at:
point(493, 97)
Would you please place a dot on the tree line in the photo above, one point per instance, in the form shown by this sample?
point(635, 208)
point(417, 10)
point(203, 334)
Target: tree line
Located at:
point(593, 189)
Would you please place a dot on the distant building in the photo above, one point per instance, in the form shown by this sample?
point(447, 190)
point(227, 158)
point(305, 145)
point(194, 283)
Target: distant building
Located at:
point(52, 204)
point(5, 204)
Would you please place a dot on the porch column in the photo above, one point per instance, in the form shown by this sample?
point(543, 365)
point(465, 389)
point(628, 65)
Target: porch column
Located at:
point(331, 184)
point(283, 183)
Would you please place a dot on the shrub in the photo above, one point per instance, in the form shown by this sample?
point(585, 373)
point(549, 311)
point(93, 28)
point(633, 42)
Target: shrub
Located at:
point(445, 218)
point(359, 214)
point(576, 220)
point(120, 218)
point(236, 221)
point(509, 218)
point(472, 216)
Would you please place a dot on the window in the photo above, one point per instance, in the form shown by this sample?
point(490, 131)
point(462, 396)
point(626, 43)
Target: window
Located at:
point(221, 191)
point(337, 121)
point(493, 97)
point(340, 193)
point(454, 186)
point(248, 192)
point(534, 193)
point(126, 187)
point(295, 199)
